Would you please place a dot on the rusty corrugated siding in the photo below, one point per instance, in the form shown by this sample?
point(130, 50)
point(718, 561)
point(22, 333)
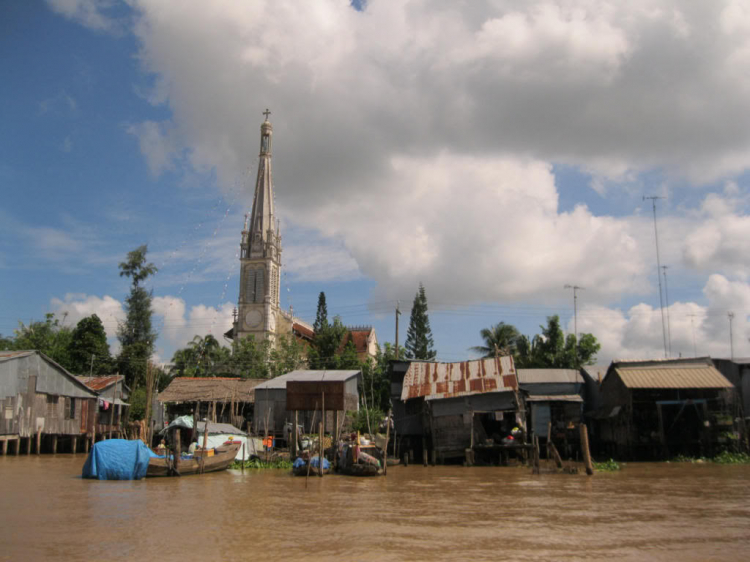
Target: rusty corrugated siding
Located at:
point(677, 376)
point(447, 380)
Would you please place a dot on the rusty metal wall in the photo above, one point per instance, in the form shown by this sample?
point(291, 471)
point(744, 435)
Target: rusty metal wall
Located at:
point(447, 380)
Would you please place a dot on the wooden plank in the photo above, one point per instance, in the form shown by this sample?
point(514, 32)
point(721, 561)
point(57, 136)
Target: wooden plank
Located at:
point(585, 449)
point(54, 444)
point(305, 395)
point(5, 447)
point(74, 444)
point(39, 441)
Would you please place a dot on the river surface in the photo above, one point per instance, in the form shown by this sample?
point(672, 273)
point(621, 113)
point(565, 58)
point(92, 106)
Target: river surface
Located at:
point(645, 512)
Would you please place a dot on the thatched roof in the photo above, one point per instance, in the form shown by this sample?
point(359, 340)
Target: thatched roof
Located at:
point(203, 389)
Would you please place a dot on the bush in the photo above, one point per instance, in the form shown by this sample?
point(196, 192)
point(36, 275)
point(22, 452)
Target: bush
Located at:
point(607, 466)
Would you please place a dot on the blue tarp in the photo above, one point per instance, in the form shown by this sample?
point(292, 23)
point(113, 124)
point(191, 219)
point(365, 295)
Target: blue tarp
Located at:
point(118, 459)
point(298, 463)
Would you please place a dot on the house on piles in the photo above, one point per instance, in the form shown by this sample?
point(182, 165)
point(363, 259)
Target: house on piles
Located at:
point(112, 406)
point(217, 399)
point(554, 399)
point(662, 408)
point(441, 410)
point(44, 407)
point(737, 371)
point(273, 412)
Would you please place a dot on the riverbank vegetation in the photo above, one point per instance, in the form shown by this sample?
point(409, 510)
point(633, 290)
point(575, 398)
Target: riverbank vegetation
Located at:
point(725, 457)
point(258, 464)
point(607, 466)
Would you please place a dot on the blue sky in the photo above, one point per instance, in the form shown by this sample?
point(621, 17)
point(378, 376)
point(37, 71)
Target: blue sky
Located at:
point(494, 152)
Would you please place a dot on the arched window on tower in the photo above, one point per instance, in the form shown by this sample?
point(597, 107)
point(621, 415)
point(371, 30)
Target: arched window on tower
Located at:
point(259, 277)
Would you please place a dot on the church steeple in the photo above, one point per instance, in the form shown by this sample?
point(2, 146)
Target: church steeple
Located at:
point(260, 253)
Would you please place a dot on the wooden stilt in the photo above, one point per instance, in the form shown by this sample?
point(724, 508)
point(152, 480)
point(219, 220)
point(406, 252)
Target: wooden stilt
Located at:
point(385, 449)
point(5, 447)
point(86, 444)
point(321, 449)
point(585, 449)
point(243, 458)
point(39, 441)
point(74, 444)
point(28, 450)
point(18, 445)
point(293, 445)
point(424, 450)
point(54, 444)
point(177, 451)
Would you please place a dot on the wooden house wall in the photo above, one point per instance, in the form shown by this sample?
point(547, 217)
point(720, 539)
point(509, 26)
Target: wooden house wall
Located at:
point(29, 409)
point(451, 434)
point(271, 404)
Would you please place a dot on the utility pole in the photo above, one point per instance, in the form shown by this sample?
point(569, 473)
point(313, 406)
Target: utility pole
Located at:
point(666, 300)
point(91, 369)
point(653, 199)
point(731, 335)
point(398, 312)
point(575, 307)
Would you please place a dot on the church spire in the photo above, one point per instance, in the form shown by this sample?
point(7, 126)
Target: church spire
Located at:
point(260, 237)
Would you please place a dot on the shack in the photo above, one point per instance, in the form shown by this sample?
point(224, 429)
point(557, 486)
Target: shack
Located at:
point(470, 405)
point(662, 408)
point(555, 401)
point(737, 371)
point(217, 399)
point(112, 409)
point(271, 412)
point(42, 404)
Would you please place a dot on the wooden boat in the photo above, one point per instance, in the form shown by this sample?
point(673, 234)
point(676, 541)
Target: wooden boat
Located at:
point(367, 463)
point(222, 458)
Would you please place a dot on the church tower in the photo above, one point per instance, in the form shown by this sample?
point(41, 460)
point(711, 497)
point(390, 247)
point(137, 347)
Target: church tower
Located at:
point(260, 255)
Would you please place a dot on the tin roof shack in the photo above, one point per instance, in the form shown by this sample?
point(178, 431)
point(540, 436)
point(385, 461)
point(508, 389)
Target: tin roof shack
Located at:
point(658, 409)
point(467, 406)
point(40, 402)
point(218, 399)
point(555, 401)
point(593, 375)
point(113, 408)
point(271, 413)
point(737, 371)
point(407, 414)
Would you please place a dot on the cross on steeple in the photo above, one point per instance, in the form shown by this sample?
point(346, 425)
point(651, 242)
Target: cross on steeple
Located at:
point(267, 112)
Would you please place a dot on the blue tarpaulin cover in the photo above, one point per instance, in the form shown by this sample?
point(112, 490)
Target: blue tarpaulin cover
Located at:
point(118, 459)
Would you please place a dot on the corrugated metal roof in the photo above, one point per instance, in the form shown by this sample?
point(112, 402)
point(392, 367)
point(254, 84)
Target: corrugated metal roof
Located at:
point(446, 380)
point(313, 376)
point(554, 398)
point(100, 382)
point(539, 376)
point(677, 375)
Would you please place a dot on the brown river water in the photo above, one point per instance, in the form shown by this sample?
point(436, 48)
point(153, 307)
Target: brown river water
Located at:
point(645, 512)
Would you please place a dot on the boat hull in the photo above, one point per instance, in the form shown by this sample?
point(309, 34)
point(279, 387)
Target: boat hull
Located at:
point(220, 461)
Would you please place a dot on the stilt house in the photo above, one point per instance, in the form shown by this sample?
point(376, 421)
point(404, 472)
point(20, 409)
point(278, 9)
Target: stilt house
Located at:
point(659, 409)
point(44, 407)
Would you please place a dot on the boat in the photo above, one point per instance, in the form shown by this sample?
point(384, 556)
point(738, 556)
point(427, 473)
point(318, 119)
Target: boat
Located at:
point(299, 468)
point(223, 456)
point(360, 460)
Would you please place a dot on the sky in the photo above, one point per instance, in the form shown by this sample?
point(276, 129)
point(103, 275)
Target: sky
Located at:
point(494, 151)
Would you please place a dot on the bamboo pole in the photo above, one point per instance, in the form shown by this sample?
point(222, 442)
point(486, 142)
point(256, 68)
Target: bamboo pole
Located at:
point(205, 444)
point(177, 451)
point(321, 449)
point(385, 449)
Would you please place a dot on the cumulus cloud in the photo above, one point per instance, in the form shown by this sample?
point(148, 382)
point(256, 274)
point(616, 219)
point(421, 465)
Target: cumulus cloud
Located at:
point(178, 326)
point(693, 329)
point(77, 306)
point(90, 13)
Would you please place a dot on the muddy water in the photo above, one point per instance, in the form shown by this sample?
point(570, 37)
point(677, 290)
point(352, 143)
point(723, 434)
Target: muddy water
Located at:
point(645, 512)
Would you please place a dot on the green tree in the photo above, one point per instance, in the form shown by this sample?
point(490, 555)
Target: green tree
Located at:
point(89, 350)
point(49, 337)
point(249, 358)
point(552, 350)
point(501, 336)
point(321, 318)
point(419, 343)
point(6, 344)
point(136, 334)
point(288, 355)
point(325, 346)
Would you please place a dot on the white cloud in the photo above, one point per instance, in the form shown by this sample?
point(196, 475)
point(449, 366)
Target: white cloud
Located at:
point(90, 13)
point(178, 328)
point(693, 329)
point(78, 306)
point(157, 143)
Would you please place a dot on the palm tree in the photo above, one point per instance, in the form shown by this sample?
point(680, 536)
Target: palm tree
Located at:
point(501, 336)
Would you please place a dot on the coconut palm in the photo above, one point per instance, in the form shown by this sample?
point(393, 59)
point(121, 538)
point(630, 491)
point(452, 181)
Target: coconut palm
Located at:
point(501, 336)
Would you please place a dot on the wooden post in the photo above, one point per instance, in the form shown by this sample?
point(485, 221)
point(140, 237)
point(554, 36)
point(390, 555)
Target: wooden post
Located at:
point(424, 450)
point(18, 445)
point(321, 448)
point(205, 444)
point(39, 441)
point(177, 450)
point(243, 458)
point(5, 447)
point(585, 449)
point(555, 454)
point(54, 444)
point(196, 417)
point(86, 444)
point(293, 448)
point(335, 439)
point(385, 449)
point(74, 444)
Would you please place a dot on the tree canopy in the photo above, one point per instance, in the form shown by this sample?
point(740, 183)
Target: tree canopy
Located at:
point(502, 337)
point(551, 349)
point(136, 334)
point(321, 317)
point(419, 343)
point(89, 350)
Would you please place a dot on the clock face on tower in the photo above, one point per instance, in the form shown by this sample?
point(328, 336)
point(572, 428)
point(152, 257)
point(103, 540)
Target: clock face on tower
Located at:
point(272, 322)
point(253, 318)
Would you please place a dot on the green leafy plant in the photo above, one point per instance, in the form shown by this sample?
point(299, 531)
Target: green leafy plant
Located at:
point(607, 466)
point(260, 464)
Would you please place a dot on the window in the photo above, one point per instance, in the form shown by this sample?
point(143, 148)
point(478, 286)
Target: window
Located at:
point(52, 399)
point(70, 408)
